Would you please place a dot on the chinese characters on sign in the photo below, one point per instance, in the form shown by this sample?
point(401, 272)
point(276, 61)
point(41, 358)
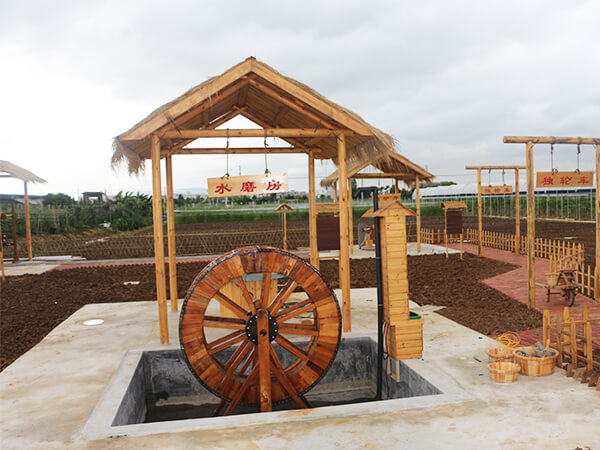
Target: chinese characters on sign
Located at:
point(248, 185)
point(385, 199)
point(565, 179)
point(491, 190)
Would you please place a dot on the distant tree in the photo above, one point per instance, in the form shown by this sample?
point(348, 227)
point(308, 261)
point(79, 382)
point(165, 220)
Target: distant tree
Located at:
point(60, 200)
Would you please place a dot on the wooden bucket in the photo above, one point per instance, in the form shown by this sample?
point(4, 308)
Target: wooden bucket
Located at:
point(500, 354)
point(552, 278)
point(503, 372)
point(535, 367)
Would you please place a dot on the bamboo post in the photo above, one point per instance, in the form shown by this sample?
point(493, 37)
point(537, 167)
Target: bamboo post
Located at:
point(350, 217)
point(565, 320)
point(335, 196)
point(159, 251)
point(171, 234)
point(284, 229)
point(461, 246)
point(587, 336)
point(1, 253)
point(546, 327)
point(312, 212)
point(517, 213)
point(596, 272)
point(27, 223)
point(573, 350)
point(559, 341)
point(530, 228)
point(264, 368)
point(417, 188)
point(14, 233)
point(479, 213)
point(344, 262)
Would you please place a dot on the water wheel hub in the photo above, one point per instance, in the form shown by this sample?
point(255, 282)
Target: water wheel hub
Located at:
point(252, 328)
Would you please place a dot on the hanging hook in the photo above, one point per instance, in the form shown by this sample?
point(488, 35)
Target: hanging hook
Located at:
point(503, 183)
point(267, 171)
point(226, 156)
point(553, 170)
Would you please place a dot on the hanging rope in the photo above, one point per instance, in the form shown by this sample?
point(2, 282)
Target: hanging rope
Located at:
point(267, 171)
point(226, 157)
point(578, 152)
point(489, 177)
point(553, 170)
point(503, 183)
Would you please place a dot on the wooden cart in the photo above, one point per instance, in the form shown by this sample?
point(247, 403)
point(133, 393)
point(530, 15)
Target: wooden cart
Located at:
point(562, 282)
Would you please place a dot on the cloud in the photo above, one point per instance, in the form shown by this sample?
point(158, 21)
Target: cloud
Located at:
point(447, 79)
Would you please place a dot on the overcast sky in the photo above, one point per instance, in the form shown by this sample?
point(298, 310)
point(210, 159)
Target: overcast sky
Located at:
point(446, 79)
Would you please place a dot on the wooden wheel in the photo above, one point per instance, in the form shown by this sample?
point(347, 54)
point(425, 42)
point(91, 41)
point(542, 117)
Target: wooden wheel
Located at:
point(279, 342)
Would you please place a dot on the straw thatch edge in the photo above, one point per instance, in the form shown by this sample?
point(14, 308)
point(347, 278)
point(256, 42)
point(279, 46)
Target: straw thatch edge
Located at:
point(18, 172)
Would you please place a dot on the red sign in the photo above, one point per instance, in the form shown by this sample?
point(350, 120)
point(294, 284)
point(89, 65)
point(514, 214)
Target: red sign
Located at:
point(494, 190)
point(565, 179)
point(247, 185)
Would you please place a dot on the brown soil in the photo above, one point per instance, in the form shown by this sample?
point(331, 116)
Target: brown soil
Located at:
point(32, 305)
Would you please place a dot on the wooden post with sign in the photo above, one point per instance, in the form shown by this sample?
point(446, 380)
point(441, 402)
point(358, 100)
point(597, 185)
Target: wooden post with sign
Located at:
point(495, 190)
point(283, 209)
point(453, 212)
point(530, 141)
point(405, 331)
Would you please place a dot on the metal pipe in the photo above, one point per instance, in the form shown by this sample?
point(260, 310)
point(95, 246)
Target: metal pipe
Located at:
point(378, 272)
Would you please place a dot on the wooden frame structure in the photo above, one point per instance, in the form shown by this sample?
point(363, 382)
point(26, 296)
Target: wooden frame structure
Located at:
point(285, 108)
point(9, 170)
point(396, 167)
point(479, 205)
point(530, 141)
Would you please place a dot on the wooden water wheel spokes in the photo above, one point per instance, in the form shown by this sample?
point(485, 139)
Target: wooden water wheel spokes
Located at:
point(259, 326)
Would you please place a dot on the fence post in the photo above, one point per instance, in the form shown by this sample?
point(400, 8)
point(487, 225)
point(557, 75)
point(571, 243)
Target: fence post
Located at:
point(546, 328)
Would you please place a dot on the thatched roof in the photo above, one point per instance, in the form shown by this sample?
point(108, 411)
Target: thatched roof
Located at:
point(18, 172)
point(263, 95)
point(393, 164)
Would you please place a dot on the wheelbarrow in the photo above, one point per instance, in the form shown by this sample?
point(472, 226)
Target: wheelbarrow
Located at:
point(562, 282)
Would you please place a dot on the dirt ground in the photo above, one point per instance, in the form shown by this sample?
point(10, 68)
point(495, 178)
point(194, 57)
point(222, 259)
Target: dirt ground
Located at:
point(32, 305)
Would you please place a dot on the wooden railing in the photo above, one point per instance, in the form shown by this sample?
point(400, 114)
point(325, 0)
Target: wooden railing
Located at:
point(431, 236)
point(574, 342)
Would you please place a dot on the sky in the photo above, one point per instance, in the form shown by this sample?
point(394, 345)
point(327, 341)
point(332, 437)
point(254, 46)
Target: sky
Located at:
point(447, 79)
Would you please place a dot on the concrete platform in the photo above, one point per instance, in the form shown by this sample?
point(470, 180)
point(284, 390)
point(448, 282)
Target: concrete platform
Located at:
point(48, 394)
point(411, 249)
point(28, 267)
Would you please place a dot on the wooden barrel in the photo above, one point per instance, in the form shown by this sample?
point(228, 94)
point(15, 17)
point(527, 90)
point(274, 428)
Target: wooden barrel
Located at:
point(533, 366)
point(501, 354)
point(503, 372)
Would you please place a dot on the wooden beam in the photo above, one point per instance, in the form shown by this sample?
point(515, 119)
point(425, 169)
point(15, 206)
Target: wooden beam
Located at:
point(479, 214)
point(382, 175)
point(344, 261)
point(495, 167)
point(597, 271)
point(269, 132)
point(418, 199)
point(279, 116)
point(549, 140)
point(159, 251)
point(310, 99)
point(171, 234)
point(27, 223)
point(350, 218)
point(225, 117)
point(530, 227)
point(234, 151)
point(242, 96)
point(208, 92)
point(251, 116)
point(517, 214)
point(312, 213)
point(296, 106)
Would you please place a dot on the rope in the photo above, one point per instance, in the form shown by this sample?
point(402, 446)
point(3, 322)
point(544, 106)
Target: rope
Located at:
point(552, 169)
point(267, 171)
point(509, 339)
point(578, 152)
point(226, 156)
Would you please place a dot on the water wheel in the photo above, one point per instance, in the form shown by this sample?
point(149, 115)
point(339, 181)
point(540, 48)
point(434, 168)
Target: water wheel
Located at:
point(271, 345)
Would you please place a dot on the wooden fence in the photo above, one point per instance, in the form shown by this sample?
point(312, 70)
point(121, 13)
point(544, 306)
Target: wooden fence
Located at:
point(575, 343)
point(431, 236)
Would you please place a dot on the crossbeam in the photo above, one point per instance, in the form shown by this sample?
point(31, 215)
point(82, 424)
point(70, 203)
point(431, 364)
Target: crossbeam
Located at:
point(495, 167)
point(549, 140)
point(234, 151)
point(383, 175)
point(266, 132)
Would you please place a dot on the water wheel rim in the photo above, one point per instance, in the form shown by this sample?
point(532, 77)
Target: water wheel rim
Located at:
point(303, 375)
